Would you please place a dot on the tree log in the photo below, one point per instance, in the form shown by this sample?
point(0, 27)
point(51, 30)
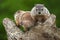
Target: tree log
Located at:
point(45, 31)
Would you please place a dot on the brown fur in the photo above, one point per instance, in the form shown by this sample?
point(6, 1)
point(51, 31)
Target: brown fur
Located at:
point(41, 18)
point(25, 20)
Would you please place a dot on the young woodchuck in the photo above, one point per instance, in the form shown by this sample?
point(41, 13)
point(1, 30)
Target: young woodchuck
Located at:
point(24, 19)
point(40, 13)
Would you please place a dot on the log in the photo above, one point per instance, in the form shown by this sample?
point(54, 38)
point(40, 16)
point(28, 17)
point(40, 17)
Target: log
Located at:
point(45, 31)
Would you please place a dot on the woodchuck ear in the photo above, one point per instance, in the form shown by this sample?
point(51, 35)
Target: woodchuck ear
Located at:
point(18, 11)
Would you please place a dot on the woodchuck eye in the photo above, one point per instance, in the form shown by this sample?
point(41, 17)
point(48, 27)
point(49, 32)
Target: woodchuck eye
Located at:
point(18, 11)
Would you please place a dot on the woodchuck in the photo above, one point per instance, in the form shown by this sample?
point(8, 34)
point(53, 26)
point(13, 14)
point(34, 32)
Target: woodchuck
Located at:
point(24, 19)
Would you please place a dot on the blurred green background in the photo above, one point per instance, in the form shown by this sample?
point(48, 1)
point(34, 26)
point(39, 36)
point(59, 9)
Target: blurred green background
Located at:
point(9, 7)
